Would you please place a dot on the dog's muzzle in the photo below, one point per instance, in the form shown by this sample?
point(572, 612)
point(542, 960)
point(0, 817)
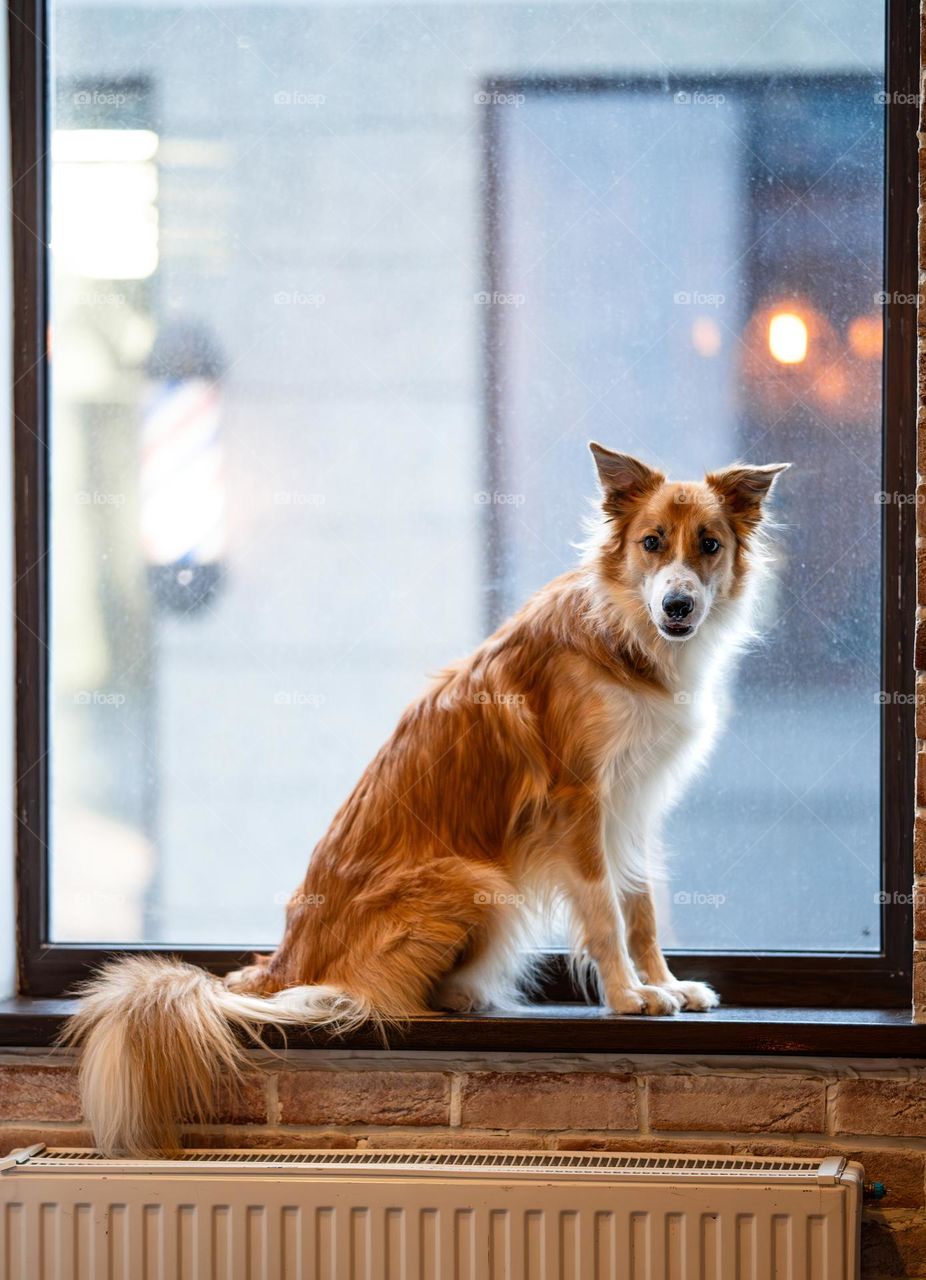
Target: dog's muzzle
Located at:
point(676, 604)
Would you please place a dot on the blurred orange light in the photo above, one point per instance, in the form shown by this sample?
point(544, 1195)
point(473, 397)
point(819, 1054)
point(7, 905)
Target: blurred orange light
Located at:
point(787, 338)
point(866, 337)
point(706, 337)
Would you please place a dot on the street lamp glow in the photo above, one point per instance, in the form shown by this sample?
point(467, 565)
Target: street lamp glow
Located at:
point(787, 338)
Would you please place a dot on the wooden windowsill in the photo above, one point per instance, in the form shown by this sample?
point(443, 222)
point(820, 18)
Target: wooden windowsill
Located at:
point(559, 1028)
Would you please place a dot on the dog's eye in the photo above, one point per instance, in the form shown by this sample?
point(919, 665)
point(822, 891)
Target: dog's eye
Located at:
point(651, 542)
point(710, 546)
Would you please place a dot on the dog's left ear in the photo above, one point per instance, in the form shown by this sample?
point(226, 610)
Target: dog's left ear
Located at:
point(743, 489)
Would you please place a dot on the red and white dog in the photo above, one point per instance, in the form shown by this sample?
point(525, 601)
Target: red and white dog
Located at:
point(537, 770)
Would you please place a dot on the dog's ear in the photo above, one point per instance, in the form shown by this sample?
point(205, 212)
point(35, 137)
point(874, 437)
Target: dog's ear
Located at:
point(623, 477)
point(744, 489)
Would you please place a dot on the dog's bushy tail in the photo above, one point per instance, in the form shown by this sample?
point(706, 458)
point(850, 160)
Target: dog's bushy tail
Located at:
point(158, 1037)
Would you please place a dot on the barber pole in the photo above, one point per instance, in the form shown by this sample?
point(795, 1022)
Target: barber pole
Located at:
point(183, 488)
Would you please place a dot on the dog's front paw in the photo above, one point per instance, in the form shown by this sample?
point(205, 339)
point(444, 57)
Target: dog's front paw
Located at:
point(695, 996)
point(645, 999)
point(453, 999)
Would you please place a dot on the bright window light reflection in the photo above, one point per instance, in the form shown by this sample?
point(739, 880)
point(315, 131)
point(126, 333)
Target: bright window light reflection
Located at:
point(104, 214)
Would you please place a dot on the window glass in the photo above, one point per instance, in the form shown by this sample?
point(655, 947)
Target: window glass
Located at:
point(340, 293)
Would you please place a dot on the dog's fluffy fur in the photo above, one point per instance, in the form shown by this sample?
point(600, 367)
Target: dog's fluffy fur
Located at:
point(534, 773)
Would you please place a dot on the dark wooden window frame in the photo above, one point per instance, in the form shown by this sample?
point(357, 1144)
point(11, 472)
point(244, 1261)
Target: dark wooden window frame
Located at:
point(808, 980)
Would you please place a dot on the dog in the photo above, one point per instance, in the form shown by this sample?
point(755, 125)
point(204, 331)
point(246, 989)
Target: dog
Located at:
point(536, 771)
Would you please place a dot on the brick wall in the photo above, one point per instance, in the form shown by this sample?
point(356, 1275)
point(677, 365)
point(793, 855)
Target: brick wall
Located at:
point(873, 1114)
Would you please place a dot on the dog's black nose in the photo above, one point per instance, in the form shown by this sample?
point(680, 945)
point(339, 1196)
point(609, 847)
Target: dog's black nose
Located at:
point(677, 605)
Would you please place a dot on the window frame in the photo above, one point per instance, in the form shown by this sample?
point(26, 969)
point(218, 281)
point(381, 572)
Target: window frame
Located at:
point(879, 980)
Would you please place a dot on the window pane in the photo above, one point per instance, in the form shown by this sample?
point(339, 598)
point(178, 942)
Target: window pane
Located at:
point(340, 293)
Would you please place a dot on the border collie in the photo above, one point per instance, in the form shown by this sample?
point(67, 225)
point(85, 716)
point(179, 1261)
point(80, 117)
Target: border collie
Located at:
point(533, 774)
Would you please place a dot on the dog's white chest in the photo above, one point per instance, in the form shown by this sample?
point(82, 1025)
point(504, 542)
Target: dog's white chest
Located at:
point(658, 743)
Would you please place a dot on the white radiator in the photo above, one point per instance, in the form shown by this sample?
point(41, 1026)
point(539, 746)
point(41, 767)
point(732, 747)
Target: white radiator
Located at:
point(221, 1215)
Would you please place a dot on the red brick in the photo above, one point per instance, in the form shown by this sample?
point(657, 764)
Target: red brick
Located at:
point(245, 1103)
point(921, 780)
point(900, 1171)
point(39, 1093)
point(645, 1144)
point(919, 986)
point(548, 1100)
point(895, 1107)
point(919, 642)
point(893, 1245)
point(268, 1140)
point(746, 1104)
point(364, 1097)
point(919, 844)
point(448, 1139)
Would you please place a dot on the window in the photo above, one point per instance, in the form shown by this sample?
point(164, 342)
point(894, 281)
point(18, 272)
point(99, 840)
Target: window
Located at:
point(336, 295)
point(732, 269)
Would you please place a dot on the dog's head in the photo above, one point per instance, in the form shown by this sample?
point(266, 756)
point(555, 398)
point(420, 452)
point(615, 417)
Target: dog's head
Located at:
point(679, 548)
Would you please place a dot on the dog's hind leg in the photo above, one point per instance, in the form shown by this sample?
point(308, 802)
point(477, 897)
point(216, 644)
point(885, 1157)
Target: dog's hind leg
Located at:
point(486, 975)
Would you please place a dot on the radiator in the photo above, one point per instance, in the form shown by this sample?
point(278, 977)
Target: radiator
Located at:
point(399, 1215)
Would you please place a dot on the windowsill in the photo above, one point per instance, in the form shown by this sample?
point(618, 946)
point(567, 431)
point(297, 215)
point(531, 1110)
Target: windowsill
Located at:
point(863, 1033)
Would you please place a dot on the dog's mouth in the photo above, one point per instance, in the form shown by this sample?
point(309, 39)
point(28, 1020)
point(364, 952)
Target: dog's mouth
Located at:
point(675, 630)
